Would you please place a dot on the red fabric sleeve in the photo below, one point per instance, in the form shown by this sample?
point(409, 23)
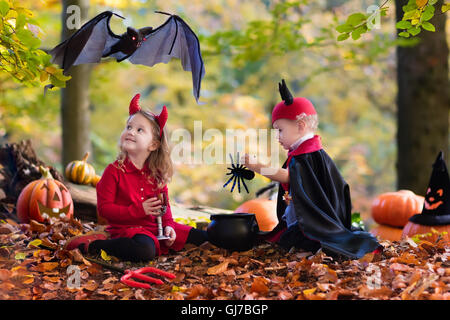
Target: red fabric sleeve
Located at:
point(106, 195)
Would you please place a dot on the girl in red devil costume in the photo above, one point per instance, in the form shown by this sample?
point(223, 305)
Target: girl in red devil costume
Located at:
point(127, 194)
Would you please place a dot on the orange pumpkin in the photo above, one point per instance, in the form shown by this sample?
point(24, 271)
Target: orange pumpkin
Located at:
point(80, 172)
point(265, 211)
point(387, 233)
point(395, 208)
point(430, 233)
point(45, 196)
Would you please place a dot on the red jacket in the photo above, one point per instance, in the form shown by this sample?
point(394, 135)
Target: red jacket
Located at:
point(120, 193)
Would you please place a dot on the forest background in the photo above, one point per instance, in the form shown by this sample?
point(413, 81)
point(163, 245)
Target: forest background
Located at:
point(353, 85)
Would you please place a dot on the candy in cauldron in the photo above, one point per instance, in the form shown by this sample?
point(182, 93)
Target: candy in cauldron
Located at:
point(235, 232)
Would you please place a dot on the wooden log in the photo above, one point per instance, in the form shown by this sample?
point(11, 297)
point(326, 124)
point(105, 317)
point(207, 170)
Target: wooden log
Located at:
point(84, 202)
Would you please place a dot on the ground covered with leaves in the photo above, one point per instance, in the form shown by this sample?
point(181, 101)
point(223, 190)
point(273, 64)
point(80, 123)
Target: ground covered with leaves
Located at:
point(34, 265)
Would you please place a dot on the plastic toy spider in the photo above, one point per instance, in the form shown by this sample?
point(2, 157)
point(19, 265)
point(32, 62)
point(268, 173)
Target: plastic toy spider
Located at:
point(238, 173)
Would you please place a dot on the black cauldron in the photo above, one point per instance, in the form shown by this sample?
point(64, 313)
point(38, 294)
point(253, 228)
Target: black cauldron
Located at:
point(234, 231)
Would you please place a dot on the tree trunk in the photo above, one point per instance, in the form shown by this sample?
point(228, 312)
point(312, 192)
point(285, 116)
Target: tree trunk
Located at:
point(423, 102)
point(75, 118)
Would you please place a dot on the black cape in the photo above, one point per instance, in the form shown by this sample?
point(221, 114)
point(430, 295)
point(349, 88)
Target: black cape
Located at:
point(322, 205)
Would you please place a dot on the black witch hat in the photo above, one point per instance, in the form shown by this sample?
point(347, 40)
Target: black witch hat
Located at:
point(436, 208)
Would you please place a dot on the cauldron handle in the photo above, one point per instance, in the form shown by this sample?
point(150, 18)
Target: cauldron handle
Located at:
point(255, 227)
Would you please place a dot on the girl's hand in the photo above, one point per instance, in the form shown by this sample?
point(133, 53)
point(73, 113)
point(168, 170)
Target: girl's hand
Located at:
point(151, 206)
point(169, 232)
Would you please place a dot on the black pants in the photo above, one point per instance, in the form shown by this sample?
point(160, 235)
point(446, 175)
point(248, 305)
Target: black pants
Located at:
point(294, 237)
point(140, 247)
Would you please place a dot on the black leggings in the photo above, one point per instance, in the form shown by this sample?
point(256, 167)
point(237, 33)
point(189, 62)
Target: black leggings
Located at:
point(140, 247)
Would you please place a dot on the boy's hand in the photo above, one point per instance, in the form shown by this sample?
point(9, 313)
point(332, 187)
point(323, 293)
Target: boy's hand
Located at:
point(169, 232)
point(151, 206)
point(249, 161)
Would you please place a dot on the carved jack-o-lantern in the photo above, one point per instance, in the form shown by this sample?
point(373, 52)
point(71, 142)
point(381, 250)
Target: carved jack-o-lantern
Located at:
point(43, 198)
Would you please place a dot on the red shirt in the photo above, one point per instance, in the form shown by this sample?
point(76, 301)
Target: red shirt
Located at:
point(120, 193)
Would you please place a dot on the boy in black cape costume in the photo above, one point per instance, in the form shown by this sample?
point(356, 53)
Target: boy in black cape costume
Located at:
point(314, 205)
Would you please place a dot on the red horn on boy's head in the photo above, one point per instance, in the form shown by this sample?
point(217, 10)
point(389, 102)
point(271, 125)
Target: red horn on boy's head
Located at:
point(134, 104)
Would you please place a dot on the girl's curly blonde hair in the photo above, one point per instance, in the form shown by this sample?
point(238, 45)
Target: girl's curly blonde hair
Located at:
point(159, 161)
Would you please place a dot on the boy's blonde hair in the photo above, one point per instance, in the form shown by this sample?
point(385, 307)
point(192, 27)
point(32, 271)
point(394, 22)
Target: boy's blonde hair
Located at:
point(311, 121)
point(159, 161)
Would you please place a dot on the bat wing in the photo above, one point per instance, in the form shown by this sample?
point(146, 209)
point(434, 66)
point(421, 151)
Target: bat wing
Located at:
point(173, 39)
point(86, 45)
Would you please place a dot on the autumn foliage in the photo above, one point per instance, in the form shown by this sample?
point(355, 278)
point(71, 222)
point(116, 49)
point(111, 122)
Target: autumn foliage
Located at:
point(405, 270)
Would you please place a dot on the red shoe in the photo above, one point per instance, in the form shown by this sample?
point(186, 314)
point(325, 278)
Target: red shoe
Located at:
point(84, 240)
point(378, 250)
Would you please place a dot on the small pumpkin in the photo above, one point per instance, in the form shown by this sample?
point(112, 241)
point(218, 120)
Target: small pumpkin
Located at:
point(428, 233)
point(80, 172)
point(95, 180)
point(265, 211)
point(395, 208)
point(385, 232)
point(42, 197)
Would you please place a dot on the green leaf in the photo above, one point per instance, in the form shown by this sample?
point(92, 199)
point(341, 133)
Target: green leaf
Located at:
point(104, 255)
point(56, 82)
point(404, 24)
point(410, 14)
point(35, 243)
point(428, 26)
point(427, 16)
point(404, 34)
point(344, 28)
point(28, 39)
point(357, 222)
point(20, 256)
point(4, 8)
point(60, 76)
point(343, 37)
point(428, 13)
point(414, 31)
point(432, 2)
point(445, 7)
point(20, 21)
point(357, 33)
point(356, 19)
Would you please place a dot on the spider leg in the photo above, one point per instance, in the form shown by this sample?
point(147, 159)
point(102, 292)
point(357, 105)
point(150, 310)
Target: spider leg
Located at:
point(234, 183)
point(237, 160)
point(229, 180)
point(232, 162)
point(243, 182)
point(239, 184)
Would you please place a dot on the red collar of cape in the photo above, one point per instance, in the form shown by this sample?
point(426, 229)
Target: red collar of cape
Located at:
point(308, 146)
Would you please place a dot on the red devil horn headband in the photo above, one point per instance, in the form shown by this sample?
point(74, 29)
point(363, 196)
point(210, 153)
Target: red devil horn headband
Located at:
point(161, 119)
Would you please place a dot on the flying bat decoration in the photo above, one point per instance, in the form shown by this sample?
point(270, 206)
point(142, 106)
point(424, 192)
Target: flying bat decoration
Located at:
point(146, 46)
